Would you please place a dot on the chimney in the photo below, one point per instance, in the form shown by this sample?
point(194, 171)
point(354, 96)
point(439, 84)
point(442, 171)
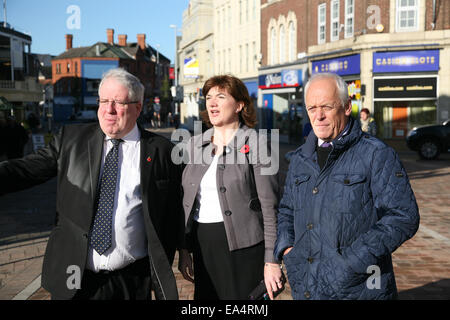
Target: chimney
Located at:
point(141, 40)
point(110, 35)
point(122, 40)
point(69, 39)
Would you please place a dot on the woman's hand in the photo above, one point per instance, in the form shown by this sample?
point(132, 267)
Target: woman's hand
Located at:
point(272, 278)
point(185, 265)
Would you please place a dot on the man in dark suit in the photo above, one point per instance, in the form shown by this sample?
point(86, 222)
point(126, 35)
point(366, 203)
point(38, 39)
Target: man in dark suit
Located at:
point(119, 216)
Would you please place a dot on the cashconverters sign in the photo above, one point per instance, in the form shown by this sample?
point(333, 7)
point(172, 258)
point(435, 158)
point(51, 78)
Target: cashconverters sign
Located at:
point(406, 61)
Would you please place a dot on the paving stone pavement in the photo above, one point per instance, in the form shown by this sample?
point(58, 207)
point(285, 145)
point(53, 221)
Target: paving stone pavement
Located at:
point(422, 264)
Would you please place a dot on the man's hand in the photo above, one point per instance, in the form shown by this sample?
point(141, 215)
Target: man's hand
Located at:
point(287, 251)
point(185, 265)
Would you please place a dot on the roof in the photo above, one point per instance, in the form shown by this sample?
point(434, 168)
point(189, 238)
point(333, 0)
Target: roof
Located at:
point(16, 33)
point(107, 50)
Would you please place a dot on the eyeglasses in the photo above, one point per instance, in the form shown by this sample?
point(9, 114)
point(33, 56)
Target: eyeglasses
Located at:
point(115, 103)
point(326, 109)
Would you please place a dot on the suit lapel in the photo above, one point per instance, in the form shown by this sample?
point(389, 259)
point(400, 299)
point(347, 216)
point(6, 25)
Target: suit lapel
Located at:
point(148, 154)
point(95, 149)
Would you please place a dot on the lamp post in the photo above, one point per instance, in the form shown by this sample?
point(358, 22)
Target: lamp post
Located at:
point(174, 27)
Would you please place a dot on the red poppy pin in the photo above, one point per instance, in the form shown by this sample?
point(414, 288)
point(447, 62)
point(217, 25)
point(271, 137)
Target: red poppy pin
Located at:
point(245, 148)
point(149, 159)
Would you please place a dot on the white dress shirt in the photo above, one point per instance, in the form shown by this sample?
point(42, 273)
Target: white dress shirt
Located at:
point(129, 241)
point(208, 197)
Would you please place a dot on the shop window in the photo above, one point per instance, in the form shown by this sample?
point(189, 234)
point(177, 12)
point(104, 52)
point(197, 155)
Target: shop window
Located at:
point(407, 15)
point(322, 11)
point(421, 113)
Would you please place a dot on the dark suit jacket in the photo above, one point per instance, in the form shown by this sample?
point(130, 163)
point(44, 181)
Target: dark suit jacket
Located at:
point(74, 156)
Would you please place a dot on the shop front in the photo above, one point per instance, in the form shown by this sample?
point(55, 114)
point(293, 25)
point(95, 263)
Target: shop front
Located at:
point(349, 68)
point(405, 91)
point(282, 103)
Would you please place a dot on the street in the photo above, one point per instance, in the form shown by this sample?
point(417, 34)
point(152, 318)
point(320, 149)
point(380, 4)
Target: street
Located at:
point(422, 264)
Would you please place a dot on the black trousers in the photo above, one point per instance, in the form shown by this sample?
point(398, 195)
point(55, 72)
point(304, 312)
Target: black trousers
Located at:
point(130, 283)
point(221, 274)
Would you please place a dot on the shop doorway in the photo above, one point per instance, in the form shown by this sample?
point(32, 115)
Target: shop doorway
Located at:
point(399, 119)
point(296, 119)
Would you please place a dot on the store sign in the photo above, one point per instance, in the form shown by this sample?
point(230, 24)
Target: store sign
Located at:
point(342, 65)
point(191, 69)
point(269, 81)
point(405, 88)
point(406, 61)
point(291, 78)
point(285, 78)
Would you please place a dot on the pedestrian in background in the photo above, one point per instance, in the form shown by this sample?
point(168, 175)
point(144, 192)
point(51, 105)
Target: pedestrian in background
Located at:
point(230, 208)
point(157, 113)
point(119, 214)
point(347, 204)
point(368, 124)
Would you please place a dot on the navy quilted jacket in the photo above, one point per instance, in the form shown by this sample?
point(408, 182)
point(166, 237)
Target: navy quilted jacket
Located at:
point(345, 220)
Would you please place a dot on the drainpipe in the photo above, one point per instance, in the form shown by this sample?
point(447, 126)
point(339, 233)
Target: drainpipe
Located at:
point(433, 24)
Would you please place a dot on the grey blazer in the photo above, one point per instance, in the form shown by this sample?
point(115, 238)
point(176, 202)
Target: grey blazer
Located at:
point(248, 195)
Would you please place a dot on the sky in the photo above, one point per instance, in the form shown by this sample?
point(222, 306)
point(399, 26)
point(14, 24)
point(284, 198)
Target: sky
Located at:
point(47, 21)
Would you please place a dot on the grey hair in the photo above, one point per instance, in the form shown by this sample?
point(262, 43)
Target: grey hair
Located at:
point(131, 82)
point(341, 85)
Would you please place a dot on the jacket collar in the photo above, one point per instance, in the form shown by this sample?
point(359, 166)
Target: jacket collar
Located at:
point(340, 144)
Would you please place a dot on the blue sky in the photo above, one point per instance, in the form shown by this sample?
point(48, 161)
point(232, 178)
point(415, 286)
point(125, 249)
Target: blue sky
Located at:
point(46, 21)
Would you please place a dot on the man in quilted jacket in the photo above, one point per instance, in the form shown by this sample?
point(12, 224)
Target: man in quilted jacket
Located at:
point(347, 204)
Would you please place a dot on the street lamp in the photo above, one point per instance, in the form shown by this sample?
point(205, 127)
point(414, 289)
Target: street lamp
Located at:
point(174, 27)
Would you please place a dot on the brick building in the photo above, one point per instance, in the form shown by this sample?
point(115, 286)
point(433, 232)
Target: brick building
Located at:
point(20, 90)
point(76, 73)
point(394, 54)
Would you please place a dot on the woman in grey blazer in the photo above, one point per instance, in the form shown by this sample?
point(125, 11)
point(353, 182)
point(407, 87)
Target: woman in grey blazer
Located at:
point(230, 200)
